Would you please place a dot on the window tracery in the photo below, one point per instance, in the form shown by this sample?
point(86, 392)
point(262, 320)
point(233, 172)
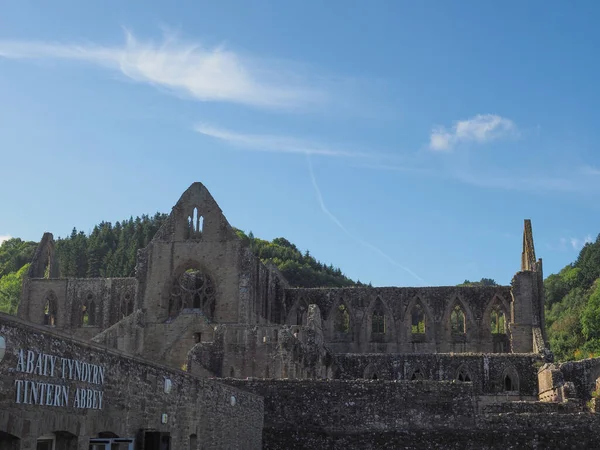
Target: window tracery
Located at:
point(458, 321)
point(193, 289)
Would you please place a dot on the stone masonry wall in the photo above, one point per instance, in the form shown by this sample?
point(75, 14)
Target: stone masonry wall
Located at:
point(487, 372)
point(398, 305)
point(106, 301)
point(133, 397)
point(573, 379)
point(409, 415)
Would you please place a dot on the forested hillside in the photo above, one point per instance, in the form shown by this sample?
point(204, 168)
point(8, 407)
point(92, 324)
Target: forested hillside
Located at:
point(573, 306)
point(110, 251)
point(572, 295)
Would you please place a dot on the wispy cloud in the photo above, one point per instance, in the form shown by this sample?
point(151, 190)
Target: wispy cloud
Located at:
point(4, 238)
point(276, 144)
point(203, 73)
point(578, 244)
point(335, 220)
point(373, 160)
point(589, 170)
point(480, 129)
point(570, 243)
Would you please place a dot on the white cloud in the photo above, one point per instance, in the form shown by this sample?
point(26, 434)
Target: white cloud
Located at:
point(275, 144)
point(4, 238)
point(205, 74)
point(480, 129)
point(577, 243)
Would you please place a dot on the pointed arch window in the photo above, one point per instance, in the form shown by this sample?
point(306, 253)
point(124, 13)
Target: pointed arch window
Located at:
point(458, 321)
point(341, 322)
point(195, 225)
point(127, 304)
point(508, 384)
point(510, 379)
point(463, 375)
point(417, 375)
point(497, 321)
point(301, 310)
point(378, 325)
point(418, 319)
point(50, 310)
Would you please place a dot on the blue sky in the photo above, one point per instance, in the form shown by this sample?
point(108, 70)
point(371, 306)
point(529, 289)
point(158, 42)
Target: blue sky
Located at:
point(404, 142)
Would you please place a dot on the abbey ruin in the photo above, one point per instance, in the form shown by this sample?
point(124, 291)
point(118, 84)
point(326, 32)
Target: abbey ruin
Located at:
point(255, 362)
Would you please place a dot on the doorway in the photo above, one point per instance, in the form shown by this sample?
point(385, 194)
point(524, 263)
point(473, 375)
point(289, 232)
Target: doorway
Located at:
point(111, 444)
point(156, 440)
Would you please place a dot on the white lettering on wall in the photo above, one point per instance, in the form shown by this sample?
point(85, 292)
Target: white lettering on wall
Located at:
point(50, 394)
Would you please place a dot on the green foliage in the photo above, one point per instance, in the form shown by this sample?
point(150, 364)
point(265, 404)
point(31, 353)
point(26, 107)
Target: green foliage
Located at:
point(573, 306)
point(482, 282)
point(110, 251)
point(342, 320)
point(14, 254)
point(419, 328)
point(590, 317)
point(301, 270)
point(10, 290)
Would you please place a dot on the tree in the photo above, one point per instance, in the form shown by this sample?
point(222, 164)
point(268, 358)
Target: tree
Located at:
point(590, 317)
point(10, 290)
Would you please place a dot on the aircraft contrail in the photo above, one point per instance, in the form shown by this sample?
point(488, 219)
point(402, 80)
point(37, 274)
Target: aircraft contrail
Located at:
point(345, 230)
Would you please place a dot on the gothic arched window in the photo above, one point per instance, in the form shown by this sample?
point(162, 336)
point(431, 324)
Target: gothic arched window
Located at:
point(497, 321)
point(463, 375)
point(418, 319)
point(378, 325)
point(195, 225)
point(341, 323)
point(50, 309)
point(458, 320)
point(193, 289)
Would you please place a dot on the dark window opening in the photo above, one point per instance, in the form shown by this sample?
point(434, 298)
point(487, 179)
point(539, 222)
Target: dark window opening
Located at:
point(418, 320)
point(378, 322)
point(463, 375)
point(508, 385)
point(50, 310)
point(417, 375)
point(458, 321)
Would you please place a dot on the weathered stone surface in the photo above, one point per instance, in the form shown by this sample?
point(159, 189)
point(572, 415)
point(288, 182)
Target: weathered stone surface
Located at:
point(410, 415)
point(133, 397)
point(362, 367)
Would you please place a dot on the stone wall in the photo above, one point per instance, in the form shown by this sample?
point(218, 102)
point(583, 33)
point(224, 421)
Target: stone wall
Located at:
point(133, 392)
point(409, 415)
point(398, 305)
point(487, 372)
point(573, 379)
point(264, 351)
point(105, 301)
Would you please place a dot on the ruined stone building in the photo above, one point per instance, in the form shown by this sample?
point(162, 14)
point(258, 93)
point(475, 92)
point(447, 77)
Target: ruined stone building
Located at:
point(361, 367)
